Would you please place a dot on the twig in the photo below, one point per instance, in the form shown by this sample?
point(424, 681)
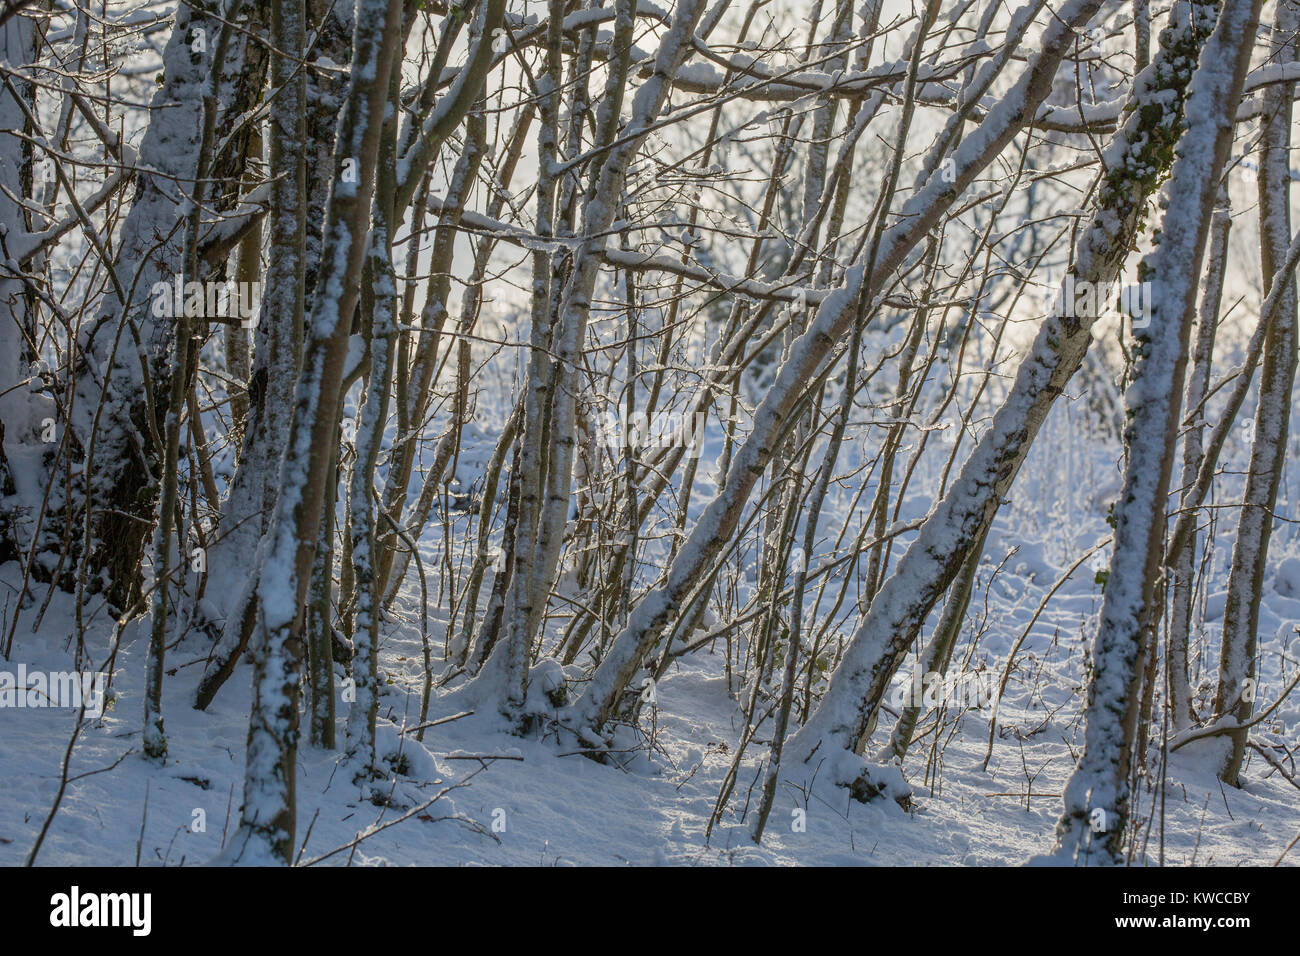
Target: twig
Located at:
point(438, 722)
point(366, 835)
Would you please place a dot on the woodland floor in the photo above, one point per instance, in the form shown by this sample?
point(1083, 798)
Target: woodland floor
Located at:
point(560, 809)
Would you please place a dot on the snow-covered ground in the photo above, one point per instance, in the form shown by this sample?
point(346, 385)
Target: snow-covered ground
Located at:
point(537, 803)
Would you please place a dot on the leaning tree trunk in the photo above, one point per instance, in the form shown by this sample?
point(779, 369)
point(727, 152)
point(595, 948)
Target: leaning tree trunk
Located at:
point(807, 356)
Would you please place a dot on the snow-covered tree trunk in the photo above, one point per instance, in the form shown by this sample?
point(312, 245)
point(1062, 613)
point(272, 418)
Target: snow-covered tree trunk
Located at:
point(280, 325)
point(1183, 564)
point(18, 406)
point(1236, 691)
point(267, 818)
point(937, 653)
point(126, 351)
point(379, 306)
point(1095, 817)
point(246, 513)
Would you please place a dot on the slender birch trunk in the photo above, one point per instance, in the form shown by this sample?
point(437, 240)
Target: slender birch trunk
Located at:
point(1095, 817)
point(19, 418)
point(1236, 694)
point(379, 300)
point(1182, 568)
